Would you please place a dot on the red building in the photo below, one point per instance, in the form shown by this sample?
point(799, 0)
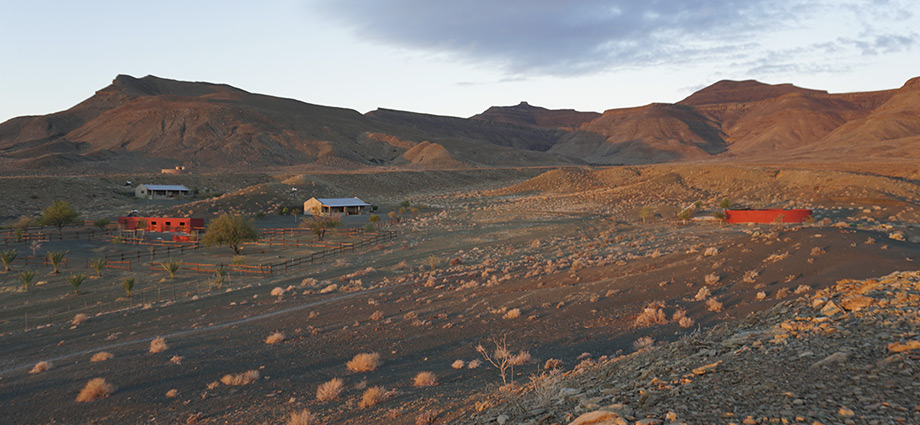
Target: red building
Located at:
point(161, 224)
point(767, 216)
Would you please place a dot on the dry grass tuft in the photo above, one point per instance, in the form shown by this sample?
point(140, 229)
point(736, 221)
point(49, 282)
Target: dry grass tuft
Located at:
point(427, 417)
point(702, 294)
point(40, 367)
point(177, 360)
point(653, 314)
point(713, 305)
point(712, 278)
point(158, 345)
point(94, 389)
point(303, 417)
point(710, 251)
point(514, 313)
point(425, 379)
point(377, 315)
point(373, 396)
point(101, 356)
point(644, 343)
point(761, 296)
point(552, 364)
point(364, 362)
point(330, 390)
point(680, 316)
point(275, 338)
point(244, 378)
point(458, 364)
point(520, 358)
point(78, 319)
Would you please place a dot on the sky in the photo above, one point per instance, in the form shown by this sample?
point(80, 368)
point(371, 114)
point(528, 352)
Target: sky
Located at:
point(454, 57)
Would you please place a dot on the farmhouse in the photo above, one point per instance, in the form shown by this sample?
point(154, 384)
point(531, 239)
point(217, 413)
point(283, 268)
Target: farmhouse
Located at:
point(161, 224)
point(161, 191)
point(334, 206)
point(767, 216)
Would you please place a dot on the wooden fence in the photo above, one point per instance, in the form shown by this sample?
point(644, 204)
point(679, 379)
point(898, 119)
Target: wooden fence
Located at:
point(48, 235)
point(36, 260)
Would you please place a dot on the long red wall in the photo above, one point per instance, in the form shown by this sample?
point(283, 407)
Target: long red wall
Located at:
point(162, 224)
point(767, 216)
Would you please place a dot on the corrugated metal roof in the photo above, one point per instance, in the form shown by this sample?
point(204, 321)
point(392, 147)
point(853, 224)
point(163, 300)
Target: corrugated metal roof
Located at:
point(172, 187)
point(343, 202)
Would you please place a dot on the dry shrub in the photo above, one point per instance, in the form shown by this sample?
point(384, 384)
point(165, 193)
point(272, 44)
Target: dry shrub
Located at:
point(680, 316)
point(761, 295)
point(78, 319)
point(458, 364)
point(95, 388)
point(364, 362)
point(473, 364)
point(750, 276)
point(644, 343)
point(378, 315)
point(802, 289)
point(425, 379)
point(783, 293)
point(373, 396)
point(275, 338)
point(330, 390)
point(552, 364)
point(514, 313)
point(172, 393)
point(303, 417)
point(711, 251)
point(40, 367)
point(712, 278)
point(427, 417)
point(411, 315)
point(244, 378)
point(176, 360)
point(101, 356)
point(713, 305)
point(702, 294)
point(520, 358)
point(158, 345)
point(329, 289)
point(652, 315)
point(277, 292)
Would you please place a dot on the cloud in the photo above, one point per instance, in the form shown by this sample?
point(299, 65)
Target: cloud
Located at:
point(570, 37)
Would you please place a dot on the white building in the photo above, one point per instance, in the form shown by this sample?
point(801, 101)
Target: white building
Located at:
point(161, 191)
point(325, 206)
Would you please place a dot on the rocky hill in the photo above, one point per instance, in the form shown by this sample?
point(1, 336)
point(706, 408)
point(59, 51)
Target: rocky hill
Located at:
point(525, 114)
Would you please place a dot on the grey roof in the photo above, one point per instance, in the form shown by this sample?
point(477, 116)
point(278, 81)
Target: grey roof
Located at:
point(172, 187)
point(343, 202)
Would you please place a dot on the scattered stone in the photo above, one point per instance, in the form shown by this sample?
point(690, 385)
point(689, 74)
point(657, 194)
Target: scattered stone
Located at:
point(599, 417)
point(898, 347)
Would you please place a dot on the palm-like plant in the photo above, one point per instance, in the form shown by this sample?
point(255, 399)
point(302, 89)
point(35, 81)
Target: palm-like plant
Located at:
point(172, 266)
point(128, 284)
point(98, 265)
point(55, 258)
point(7, 258)
point(220, 274)
point(26, 277)
point(76, 280)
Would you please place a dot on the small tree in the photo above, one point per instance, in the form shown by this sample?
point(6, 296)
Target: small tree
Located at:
point(393, 217)
point(26, 277)
point(500, 358)
point(374, 219)
point(102, 223)
point(21, 225)
point(76, 280)
point(7, 258)
point(725, 203)
point(128, 284)
point(684, 215)
point(405, 204)
point(98, 264)
point(55, 258)
point(720, 216)
point(58, 214)
point(433, 261)
point(230, 230)
point(645, 213)
point(319, 224)
point(171, 267)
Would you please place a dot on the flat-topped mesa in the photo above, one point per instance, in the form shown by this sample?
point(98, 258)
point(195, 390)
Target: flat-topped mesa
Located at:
point(729, 91)
point(154, 86)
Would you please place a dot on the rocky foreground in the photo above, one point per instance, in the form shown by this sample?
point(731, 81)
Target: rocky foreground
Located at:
point(848, 354)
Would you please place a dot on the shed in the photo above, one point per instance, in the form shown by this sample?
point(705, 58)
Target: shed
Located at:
point(161, 224)
point(334, 206)
point(767, 216)
point(161, 191)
